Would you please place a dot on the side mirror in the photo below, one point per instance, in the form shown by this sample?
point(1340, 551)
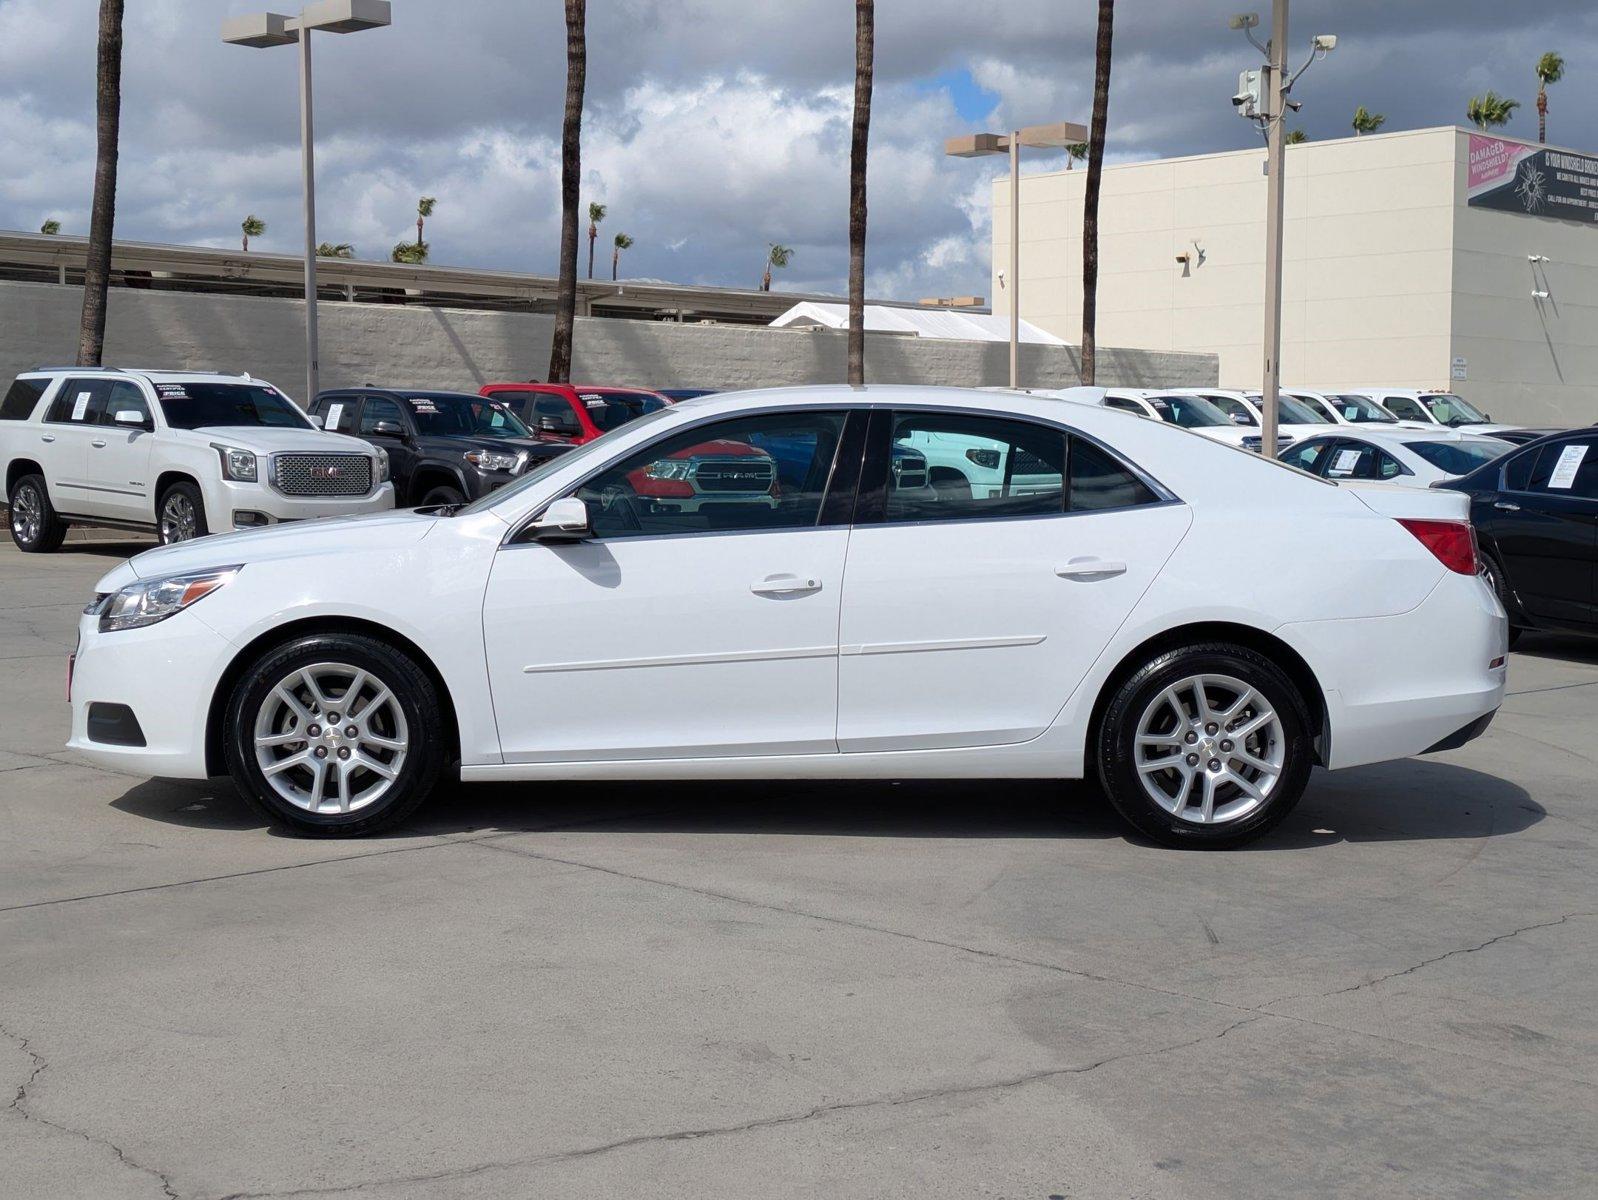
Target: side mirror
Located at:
point(316, 420)
point(552, 424)
point(389, 429)
point(565, 520)
point(1240, 419)
point(132, 417)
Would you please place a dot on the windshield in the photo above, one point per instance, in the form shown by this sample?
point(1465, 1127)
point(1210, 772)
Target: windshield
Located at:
point(1450, 409)
point(1190, 412)
point(1459, 458)
point(1235, 410)
point(560, 462)
point(204, 405)
point(1290, 411)
point(1362, 410)
point(442, 415)
point(610, 409)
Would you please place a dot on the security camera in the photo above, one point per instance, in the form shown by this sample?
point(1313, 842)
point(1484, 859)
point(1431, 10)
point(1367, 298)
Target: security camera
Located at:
point(1539, 295)
point(1241, 99)
point(1536, 258)
point(1325, 42)
point(1244, 21)
point(1001, 278)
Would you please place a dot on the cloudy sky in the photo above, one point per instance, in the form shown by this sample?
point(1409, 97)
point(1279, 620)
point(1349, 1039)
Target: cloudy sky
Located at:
point(712, 127)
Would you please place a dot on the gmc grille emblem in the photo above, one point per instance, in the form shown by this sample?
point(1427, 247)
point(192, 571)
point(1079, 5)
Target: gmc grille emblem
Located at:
point(327, 472)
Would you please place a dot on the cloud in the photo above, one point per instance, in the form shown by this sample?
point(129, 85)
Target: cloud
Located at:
point(712, 128)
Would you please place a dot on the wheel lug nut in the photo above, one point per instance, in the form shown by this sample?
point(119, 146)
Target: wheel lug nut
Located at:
point(1227, 747)
point(1215, 764)
point(343, 751)
point(320, 752)
point(1192, 760)
point(332, 718)
point(314, 731)
point(352, 732)
point(1212, 727)
point(1191, 737)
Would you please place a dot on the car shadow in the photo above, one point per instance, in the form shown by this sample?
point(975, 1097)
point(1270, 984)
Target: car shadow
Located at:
point(1412, 800)
point(1566, 647)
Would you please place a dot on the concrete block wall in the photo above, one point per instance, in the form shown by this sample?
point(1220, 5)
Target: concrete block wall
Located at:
point(465, 348)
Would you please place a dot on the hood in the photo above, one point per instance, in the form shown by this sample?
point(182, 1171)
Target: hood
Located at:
point(269, 439)
point(328, 536)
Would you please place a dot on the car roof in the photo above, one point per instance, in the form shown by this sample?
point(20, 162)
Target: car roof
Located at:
point(151, 373)
point(1384, 435)
point(419, 393)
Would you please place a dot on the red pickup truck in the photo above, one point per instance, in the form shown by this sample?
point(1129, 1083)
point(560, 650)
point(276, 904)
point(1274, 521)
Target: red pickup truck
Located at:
point(568, 413)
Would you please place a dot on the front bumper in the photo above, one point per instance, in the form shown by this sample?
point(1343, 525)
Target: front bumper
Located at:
point(165, 674)
point(225, 498)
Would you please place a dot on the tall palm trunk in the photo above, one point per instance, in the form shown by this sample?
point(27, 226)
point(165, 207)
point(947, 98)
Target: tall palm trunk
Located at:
point(108, 119)
point(593, 236)
point(1090, 197)
point(419, 230)
point(864, 39)
point(1542, 112)
point(560, 349)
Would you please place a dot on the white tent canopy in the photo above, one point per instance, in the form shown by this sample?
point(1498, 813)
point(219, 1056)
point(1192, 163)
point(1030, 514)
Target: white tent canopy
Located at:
point(917, 322)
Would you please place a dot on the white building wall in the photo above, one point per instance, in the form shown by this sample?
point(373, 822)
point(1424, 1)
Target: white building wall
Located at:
point(1387, 275)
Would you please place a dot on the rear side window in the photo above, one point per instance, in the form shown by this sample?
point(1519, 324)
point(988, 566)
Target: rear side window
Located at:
point(22, 398)
point(1099, 482)
point(1566, 469)
point(79, 402)
point(977, 467)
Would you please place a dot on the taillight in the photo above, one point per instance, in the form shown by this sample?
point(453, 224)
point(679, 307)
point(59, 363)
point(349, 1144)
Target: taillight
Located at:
point(1453, 543)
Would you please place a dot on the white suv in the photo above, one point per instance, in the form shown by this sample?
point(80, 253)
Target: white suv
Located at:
point(182, 453)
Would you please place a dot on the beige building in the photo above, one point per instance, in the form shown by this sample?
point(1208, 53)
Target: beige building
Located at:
point(1435, 258)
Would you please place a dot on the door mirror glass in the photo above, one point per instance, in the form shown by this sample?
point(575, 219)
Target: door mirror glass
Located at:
point(565, 520)
point(389, 429)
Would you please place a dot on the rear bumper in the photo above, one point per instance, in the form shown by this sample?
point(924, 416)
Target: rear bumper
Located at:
point(1468, 733)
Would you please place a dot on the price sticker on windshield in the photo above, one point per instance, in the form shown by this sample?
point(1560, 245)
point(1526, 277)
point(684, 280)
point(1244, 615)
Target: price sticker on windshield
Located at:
point(423, 406)
point(1570, 459)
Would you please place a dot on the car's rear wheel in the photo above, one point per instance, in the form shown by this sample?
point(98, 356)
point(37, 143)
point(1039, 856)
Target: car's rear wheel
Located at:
point(35, 527)
point(335, 735)
point(181, 514)
point(1495, 579)
point(1206, 746)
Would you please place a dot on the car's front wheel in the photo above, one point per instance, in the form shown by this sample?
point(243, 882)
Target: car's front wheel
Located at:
point(443, 494)
point(1206, 746)
point(335, 735)
point(181, 514)
point(35, 527)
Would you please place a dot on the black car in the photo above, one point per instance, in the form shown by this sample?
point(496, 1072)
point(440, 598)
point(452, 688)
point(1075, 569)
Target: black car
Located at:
point(1536, 515)
point(443, 447)
point(1521, 436)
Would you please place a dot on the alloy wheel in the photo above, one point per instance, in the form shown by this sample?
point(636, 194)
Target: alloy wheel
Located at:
point(179, 522)
point(331, 738)
point(27, 515)
point(1210, 749)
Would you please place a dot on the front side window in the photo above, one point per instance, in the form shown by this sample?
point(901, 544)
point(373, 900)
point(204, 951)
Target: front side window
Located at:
point(440, 415)
point(1235, 410)
point(126, 398)
point(1307, 456)
point(760, 472)
point(978, 467)
point(22, 398)
point(79, 402)
point(222, 405)
point(1190, 412)
point(1295, 412)
point(1362, 410)
point(1406, 409)
point(1450, 409)
point(1319, 407)
point(380, 409)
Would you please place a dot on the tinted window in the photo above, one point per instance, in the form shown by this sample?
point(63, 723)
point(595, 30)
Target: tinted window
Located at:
point(1235, 410)
point(1322, 411)
point(22, 398)
point(126, 398)
point(203, 405)
point(1099, 482)
point(337, 412)
point(1405, 408)
point(1517, 472)
point(1126, 405)
point(1457, 458)
point(378, 409)
point(748, 473)
point(1190, 412)
point(1360, 460)
point(608, 410)
point(1307, 456)
point(79, 402)
point(978, 467)
point(441, 415)
point(1362, 410)
point(1567, 469)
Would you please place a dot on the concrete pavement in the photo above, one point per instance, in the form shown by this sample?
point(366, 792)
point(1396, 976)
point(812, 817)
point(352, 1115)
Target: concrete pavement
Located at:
point(794, 989)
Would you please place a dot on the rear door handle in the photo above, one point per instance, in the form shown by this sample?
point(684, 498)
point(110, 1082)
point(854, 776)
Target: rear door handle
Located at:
point(784, 585)
point(1090, 568)
point(48, 437)
point(1506, 506)
point(97, 444)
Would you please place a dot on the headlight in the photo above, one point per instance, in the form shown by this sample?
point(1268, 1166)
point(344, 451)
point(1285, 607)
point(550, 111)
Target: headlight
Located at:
point(237, 465)
point(151, 600)
point(670, 468)
point(382, 465)
point(492, 460)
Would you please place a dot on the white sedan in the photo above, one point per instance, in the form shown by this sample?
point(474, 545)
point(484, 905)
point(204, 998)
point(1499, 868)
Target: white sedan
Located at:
point(1416, 457)
point(580, 624)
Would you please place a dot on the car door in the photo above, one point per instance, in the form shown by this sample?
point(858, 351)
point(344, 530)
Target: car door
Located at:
point(969, 618)
point(1543, 526)
point(397, 436)
point(70, 423)
point(699, 618)
point(119, 453)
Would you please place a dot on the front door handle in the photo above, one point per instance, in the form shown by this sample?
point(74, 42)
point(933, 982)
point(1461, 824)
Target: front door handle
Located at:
point(1506, 506)
point(48, 437)
point(97, 444)
point(784, 585)
point(1090, 568)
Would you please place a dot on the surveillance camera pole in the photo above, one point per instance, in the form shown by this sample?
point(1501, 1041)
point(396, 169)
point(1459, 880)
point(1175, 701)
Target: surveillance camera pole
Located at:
point(1274, 81)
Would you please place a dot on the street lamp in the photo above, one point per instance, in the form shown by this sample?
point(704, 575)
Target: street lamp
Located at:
point(264, 30)
point(1262, 97)
point(974, 145)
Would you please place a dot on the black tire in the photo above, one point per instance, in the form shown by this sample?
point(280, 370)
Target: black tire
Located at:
point(174, 527)
point(35, 527)
point(1116, 750)
point(1495, 580)
point(414, 693)
point(950, 484)
point(442, 494)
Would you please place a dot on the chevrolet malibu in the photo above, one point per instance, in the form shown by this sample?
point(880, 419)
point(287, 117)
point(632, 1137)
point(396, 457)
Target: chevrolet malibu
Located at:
point(1193, 627)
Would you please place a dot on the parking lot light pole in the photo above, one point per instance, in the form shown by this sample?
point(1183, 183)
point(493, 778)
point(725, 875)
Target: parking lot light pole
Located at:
point(264, 30)
point(974, 145)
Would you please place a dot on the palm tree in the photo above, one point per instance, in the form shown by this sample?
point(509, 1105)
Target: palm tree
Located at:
point(252, 226)
point(1550, 69)
point(1090, 193)
point(571, 129)
point(414, 253)
point(424, 209)
point(777, 256)
point(336, 250)
point(1296, 137)
point(596, 214)
point(622, 242)
point(1366, 121)
point(108, 121)
point(865, 17)
point(1490, 110)
point(50, 227)
point(1075, 152)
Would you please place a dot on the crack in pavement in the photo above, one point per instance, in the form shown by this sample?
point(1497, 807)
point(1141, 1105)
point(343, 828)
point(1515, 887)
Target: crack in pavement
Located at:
point(20, 1108)
point(1553, 687)
point(758, 1123)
